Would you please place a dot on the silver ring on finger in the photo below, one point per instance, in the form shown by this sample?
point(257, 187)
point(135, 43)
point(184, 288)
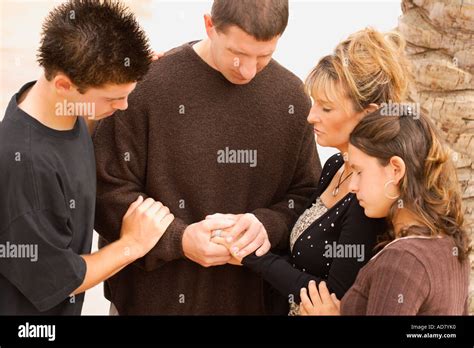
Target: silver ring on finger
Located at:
point(216, 233)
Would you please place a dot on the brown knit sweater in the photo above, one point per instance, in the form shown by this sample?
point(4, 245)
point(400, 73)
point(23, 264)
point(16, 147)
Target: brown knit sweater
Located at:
point(176, 143)
point(411, 276)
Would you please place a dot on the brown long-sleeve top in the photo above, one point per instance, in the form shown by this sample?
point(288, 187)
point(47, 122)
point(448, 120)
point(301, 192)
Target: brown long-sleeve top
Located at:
point(411, 276)
point(181, 142)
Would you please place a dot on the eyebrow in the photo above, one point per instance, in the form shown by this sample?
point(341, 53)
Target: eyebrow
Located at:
point(245, 54)
point(324, 102)
point(354, 166)
point(116, 98)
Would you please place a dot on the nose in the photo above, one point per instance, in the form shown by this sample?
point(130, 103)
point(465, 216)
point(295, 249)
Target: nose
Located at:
point(248, 71)
point(353, 184)
point(313, 115)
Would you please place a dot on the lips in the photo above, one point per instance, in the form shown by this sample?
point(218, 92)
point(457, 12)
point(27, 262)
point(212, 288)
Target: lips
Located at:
point(316, 131)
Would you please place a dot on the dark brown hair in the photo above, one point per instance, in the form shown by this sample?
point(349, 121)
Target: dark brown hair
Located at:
point(94, 43)
point(429, 188)
point(262, 19)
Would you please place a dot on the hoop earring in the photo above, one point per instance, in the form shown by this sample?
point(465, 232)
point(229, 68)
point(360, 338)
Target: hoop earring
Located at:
point(385, 190)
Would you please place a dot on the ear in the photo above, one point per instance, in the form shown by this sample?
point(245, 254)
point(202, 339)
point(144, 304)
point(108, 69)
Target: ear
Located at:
point(209, 25)
point(397, 168)
point(371, 108)
point(62, 84)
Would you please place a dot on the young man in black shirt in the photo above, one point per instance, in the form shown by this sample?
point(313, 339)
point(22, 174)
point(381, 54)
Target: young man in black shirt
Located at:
point(92, 53)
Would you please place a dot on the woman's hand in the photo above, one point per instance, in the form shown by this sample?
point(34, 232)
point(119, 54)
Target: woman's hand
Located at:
point(319, 302)
point(230, 239)
point(220, 239)
point(157, 55)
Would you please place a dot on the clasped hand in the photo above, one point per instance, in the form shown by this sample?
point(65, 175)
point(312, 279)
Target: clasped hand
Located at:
point(225, 238)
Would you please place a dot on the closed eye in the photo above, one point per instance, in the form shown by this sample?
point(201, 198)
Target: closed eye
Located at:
point(114, 99)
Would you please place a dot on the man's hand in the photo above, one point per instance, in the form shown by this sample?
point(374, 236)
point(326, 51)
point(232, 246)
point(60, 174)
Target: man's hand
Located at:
point(319, 302)
point(246, 236)
point(197, 245)
point(144, 224)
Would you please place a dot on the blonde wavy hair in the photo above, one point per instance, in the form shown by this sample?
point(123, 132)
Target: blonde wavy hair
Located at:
point(370, 66)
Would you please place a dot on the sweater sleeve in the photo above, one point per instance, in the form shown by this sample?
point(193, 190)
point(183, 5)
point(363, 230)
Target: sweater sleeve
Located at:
point(356, 229)
point(280, 217)
point(121, 158)
point(399, 284)
point(279, 273)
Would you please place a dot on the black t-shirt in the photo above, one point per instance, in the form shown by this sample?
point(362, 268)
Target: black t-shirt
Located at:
point(47, 201)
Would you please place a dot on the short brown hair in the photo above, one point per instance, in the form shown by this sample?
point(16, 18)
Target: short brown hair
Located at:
point(94, 43)
point(262, 19)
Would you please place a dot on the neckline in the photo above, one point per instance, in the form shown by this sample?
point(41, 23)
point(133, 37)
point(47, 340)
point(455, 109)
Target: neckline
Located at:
point(333, 171)
point(24, 116)
point(325, 185)
point(318, 199)
point(402, 238)
point(189, 48)
point(318, 193)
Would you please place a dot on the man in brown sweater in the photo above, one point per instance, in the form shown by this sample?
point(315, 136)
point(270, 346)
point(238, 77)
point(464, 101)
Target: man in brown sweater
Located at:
point(216, 126)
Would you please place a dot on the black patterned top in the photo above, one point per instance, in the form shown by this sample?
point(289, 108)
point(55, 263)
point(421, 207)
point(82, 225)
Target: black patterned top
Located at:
point(333, 248)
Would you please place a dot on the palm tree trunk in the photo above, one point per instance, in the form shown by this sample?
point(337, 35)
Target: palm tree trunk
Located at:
point(440, 46)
